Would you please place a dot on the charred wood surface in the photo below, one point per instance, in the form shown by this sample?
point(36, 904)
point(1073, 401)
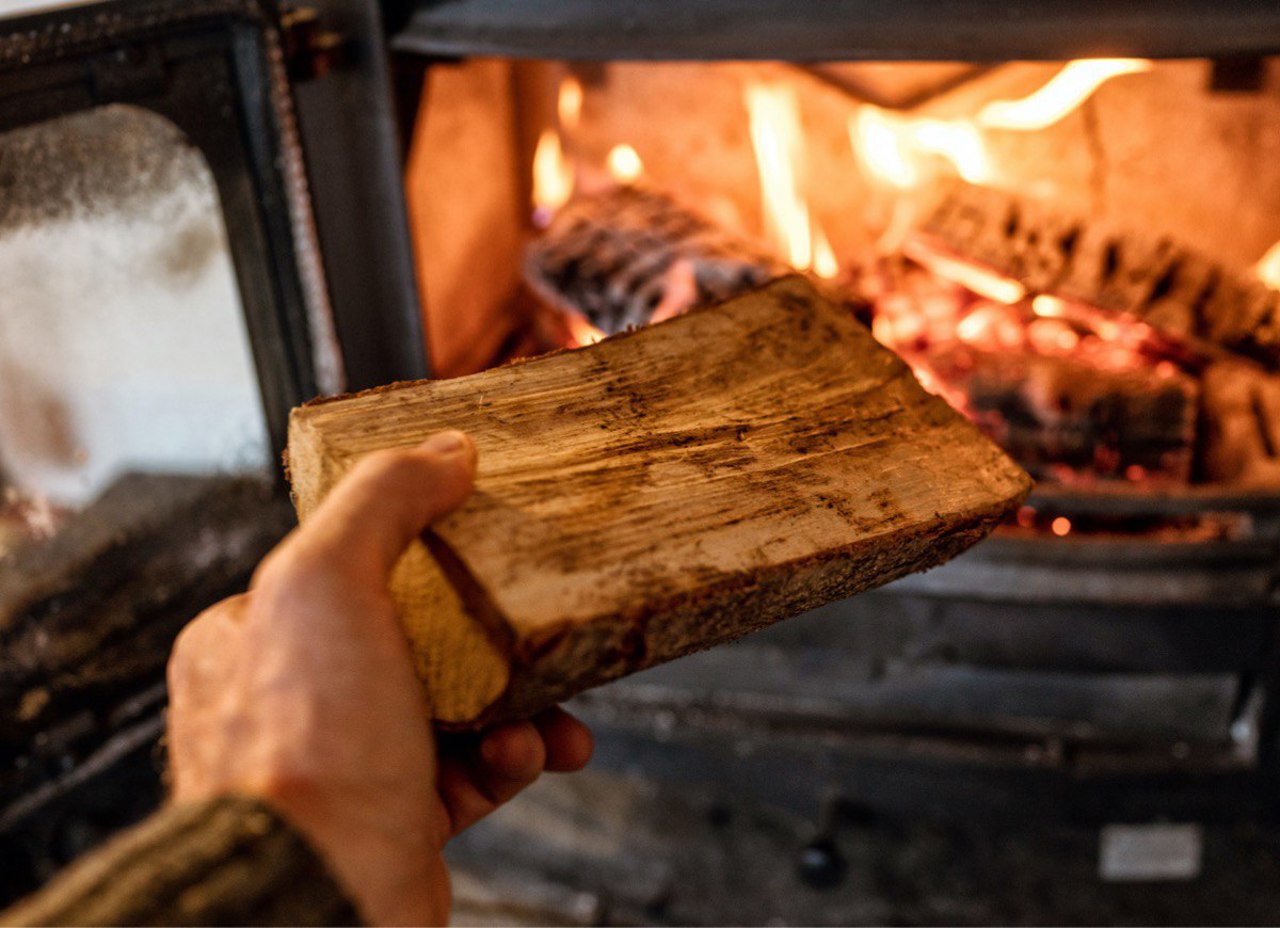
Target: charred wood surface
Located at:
point(1241, 425)
point(1048, 411)
point(1169, 286)
point(661, 492)
point(625, 256)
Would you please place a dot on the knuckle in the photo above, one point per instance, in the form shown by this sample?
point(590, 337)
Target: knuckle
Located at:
point(268, 569)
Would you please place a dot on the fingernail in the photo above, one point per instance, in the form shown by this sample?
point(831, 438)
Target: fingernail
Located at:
point(450, 442)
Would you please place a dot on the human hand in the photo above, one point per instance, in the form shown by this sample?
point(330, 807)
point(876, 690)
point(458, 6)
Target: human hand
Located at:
point(302, 692)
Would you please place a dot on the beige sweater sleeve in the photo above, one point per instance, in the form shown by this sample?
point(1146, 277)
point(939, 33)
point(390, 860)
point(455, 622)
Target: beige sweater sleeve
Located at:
point(230, 861)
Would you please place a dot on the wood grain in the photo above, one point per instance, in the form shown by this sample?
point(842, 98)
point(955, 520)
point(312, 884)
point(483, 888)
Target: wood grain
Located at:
point(663, 491)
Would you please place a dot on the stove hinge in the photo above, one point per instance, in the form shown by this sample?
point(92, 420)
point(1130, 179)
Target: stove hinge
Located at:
point(311, 49)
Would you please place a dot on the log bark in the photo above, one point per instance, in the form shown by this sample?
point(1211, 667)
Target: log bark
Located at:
point(1173, 288)
point(661, 492)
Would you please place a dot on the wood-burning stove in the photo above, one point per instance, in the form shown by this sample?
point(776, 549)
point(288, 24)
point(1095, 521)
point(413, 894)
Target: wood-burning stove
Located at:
point(1124, 670)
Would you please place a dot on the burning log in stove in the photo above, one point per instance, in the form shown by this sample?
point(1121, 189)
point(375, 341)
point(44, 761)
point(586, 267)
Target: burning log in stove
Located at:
point(1150, 278)
point(1056, 415)
point(1169, 337)
point(628, 256)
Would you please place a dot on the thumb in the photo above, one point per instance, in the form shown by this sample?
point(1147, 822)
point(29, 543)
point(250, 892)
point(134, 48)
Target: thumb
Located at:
point(386, 502)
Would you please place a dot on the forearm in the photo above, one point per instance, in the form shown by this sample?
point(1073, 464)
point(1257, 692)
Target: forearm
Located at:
point(229, 861)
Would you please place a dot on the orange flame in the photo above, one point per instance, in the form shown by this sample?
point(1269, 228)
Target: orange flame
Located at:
point(552, 177)
point(1065, 91)
point(877, 141)
point(825, 264)
point(779, 148)
point(1061, 526)
point(1268, 267)
point(569, 104)
point(581, 332)
point(624, 164)
point(778, 141)
point(896, 149)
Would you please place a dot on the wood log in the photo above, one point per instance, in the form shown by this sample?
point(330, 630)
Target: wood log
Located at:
point(1241, 432)
point(660, 492)
point(628, 256)
point(1173, 288)
point(1050, 412)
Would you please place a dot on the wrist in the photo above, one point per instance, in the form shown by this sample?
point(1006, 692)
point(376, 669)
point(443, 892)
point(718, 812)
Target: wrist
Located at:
point(390, 868)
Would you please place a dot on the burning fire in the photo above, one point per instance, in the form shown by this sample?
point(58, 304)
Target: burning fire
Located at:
point(779, 146)
point(1065, 91)
point(624, 164)
point(973, 276)
point(894, 148)
point(1268, 268)
point(553, 172)
point(825, 264)
point(778, 141)
point(569, 104)
point(552, 177)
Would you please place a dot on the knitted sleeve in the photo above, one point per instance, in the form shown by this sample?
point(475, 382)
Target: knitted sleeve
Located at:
point(229, 861)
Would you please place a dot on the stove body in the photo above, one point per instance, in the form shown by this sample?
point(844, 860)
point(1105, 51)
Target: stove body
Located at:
point(1124, 671)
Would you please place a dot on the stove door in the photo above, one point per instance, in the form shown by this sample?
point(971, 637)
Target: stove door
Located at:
point(260, 94)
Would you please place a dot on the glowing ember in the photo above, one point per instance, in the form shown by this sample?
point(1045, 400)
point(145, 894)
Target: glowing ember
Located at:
point(569, 104)
point(778, 141)
point(1070, 87)
point(1049, 307)
point(1061, 526)
point(552, 177)
point(977, 278)
point(624, 164)
point(1268, 268)
point(581, 332)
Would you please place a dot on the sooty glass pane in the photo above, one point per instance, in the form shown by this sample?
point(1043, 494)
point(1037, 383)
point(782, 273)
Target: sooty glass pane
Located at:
point(122, 340)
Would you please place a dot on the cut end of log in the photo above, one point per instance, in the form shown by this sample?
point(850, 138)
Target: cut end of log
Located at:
point(661, 492)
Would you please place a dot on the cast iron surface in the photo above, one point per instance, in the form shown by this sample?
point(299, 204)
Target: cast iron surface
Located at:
point(205, 65)
point(710, 856)
point(349, 136)
point(830, 30)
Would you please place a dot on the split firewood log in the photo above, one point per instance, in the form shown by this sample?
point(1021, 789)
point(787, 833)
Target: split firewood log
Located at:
point(660, 492)
point(1168, 285)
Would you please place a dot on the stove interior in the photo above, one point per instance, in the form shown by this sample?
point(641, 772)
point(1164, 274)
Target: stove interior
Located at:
point(1078, 255)
point(1081, 256)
